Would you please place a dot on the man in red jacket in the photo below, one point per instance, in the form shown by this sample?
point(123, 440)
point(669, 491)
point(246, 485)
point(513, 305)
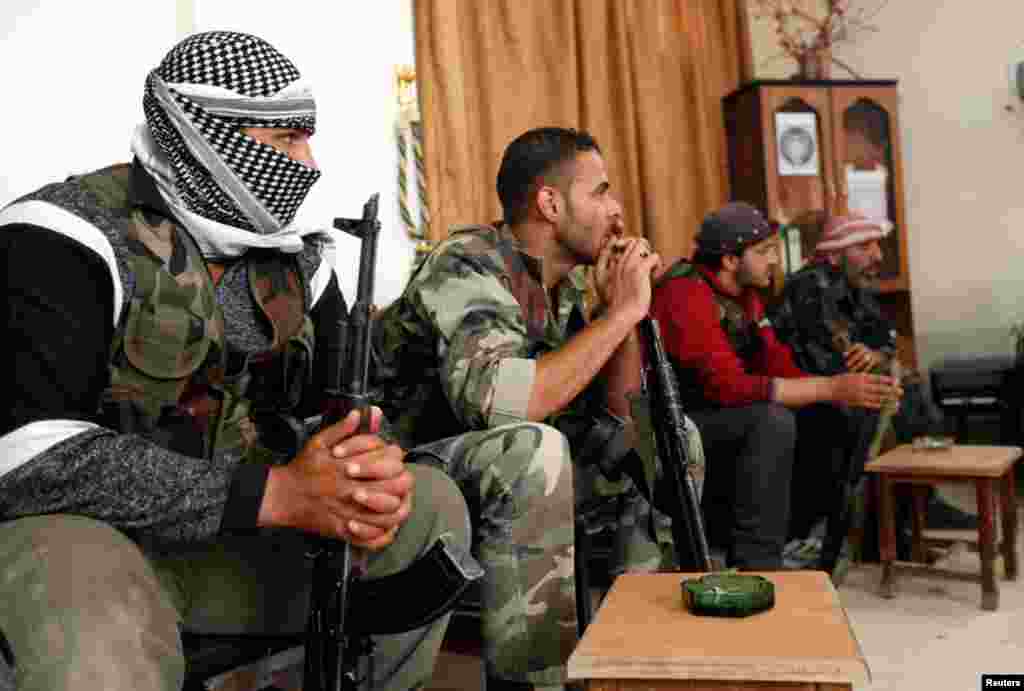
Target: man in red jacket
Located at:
point(740, 387)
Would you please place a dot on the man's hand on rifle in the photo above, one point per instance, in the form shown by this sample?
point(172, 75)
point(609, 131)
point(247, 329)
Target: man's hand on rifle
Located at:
point(350, 486)
point(861, 390)
point(860, 358)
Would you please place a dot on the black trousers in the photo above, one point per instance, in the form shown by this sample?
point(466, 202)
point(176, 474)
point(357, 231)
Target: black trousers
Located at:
point(772, 473)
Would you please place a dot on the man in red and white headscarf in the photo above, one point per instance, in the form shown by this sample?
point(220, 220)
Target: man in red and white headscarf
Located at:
point(828, 314)
point(832, 322)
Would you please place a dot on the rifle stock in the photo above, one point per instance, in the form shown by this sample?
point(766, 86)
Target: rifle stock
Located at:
point(670, 438)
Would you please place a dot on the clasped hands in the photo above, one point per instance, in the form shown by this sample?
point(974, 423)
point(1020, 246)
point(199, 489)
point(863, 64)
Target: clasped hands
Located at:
point(343, 484)
point(624, 273)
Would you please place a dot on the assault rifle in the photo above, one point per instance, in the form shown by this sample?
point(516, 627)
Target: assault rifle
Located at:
point(868, 428)
point(675, 484)
point(338, 596)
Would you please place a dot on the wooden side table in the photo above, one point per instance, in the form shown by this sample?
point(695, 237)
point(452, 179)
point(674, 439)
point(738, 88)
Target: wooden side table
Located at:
point(989, 468)
point(643, 638)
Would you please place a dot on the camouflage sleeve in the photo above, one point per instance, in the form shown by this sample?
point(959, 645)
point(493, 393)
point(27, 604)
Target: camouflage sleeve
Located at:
point(483, 348)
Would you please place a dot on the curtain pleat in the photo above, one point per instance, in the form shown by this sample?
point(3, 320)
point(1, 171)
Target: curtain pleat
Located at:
point(645, 77)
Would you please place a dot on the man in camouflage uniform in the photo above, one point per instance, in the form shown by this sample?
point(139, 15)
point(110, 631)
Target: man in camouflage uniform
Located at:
point(158, 315)
point(490, 330)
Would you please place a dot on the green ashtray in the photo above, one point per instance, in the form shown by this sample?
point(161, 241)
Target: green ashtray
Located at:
point(728, 595)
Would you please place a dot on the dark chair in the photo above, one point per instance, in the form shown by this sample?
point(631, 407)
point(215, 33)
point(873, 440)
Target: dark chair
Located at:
point(973, 385)
point(210, 655)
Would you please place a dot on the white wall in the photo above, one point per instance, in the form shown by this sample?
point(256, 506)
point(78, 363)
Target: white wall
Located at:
point(72, 75)
point(963, 162)
point(73, 96)
point(349, 50)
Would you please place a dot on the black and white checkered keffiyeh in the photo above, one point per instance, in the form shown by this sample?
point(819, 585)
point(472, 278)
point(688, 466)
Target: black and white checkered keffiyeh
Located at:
point(197, 100)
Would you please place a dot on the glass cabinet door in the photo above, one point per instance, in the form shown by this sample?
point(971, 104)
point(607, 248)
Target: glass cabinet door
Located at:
point(867, 169)
point(798, 155)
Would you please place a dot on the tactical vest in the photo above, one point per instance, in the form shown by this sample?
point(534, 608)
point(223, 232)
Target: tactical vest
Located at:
point(742, 333)
point(172, 377)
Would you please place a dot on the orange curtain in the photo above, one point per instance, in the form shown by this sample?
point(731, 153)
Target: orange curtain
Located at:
point(645, 77)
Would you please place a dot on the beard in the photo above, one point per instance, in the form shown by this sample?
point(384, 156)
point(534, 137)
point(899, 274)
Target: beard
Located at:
point(867, 278)
point(582, 251)
point(578, 240)
point(746, 278)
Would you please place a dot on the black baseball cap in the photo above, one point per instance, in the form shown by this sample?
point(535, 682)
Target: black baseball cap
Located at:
point(731, 228)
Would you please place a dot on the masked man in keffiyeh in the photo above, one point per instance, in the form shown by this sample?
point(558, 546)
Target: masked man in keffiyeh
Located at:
point(154, 311)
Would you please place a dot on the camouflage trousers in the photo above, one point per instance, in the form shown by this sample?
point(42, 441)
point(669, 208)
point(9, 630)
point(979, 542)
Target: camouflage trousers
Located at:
point(641, 533)
point(83, 607)
point(518, 483)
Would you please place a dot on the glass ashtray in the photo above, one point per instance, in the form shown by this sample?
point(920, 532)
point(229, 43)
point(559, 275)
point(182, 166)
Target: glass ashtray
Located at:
point(932, 443)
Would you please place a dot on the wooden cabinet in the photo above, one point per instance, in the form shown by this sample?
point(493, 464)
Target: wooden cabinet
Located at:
point(805, 151)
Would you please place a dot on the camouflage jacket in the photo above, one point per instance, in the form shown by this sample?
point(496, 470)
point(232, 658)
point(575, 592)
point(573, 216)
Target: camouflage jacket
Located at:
point(173, 375)
point(457, 350)
point(151, 444)
point(821, 315)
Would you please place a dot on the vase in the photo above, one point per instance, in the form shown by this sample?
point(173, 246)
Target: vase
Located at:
point(814, 65)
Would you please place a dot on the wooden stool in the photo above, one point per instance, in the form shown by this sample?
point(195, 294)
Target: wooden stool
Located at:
point(990, 468)
point(644, 638)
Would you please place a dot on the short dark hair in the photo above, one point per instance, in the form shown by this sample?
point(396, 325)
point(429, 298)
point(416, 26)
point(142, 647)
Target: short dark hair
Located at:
point(532, 155)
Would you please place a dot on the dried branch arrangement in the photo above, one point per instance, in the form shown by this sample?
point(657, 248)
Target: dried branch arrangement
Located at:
point(808, 29)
